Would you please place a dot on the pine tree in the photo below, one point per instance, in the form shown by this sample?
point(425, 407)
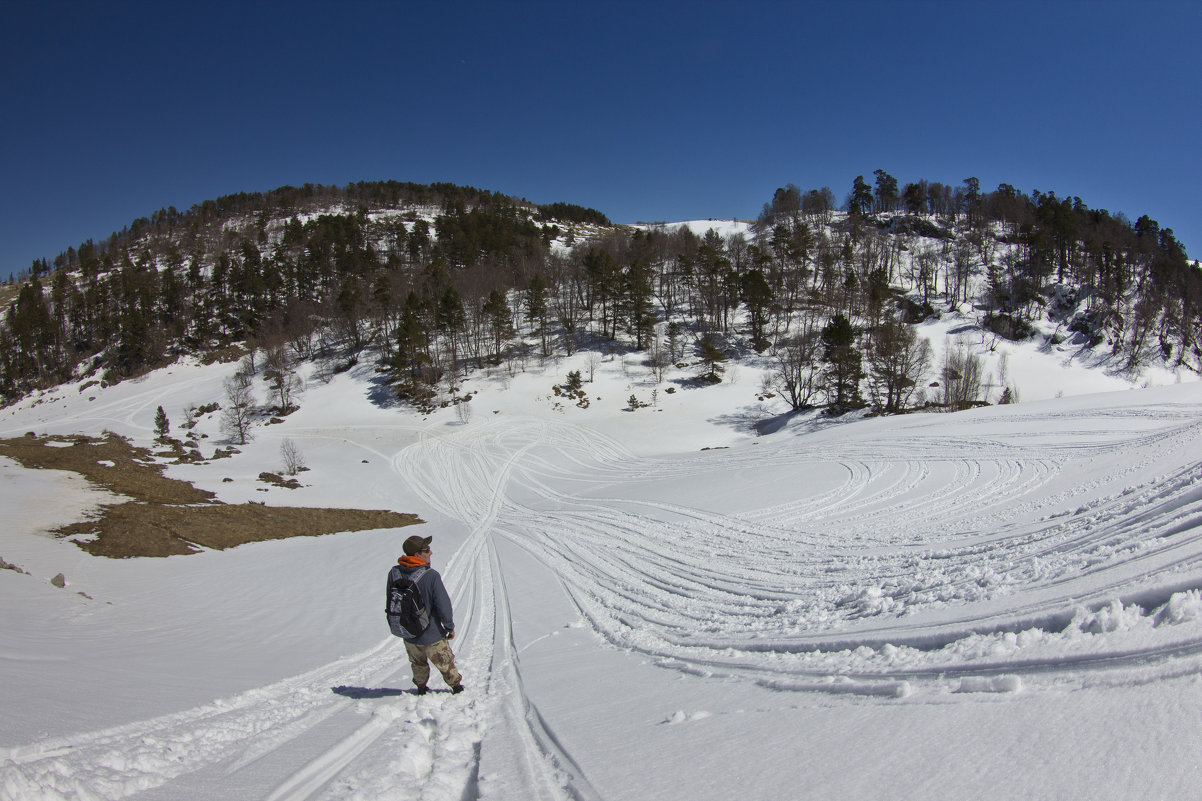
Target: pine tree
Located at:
point(536, 310)
point(162, 426)
point(604, 283)
point(640, 310)
point(451, 319)
point(843, 365)
point(859, 202)
point(412, 342)
point(886, 191)
point(498, 321)
point(712, 356)
point(674, 349)
point(758, 296)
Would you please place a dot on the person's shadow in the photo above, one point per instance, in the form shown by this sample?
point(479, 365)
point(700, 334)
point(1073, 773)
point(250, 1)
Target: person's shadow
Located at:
point(371, 692)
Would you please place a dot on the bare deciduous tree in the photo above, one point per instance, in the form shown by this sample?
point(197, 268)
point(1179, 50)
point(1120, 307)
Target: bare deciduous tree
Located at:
point(293, 461)
point(798, 376)
point(897, 361)
point(592, 362)
point(282, 379)
point(963, 374)
point(238, 412)
point(657, 359)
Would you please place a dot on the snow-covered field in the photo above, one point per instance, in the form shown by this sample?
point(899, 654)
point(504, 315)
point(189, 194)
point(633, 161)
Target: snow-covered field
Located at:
point(666, 603)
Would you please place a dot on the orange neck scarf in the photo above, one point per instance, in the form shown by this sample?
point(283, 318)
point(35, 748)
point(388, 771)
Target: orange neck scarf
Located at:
point(412, 561)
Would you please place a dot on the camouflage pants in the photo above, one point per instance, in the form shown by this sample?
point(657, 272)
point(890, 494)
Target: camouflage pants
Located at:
point(439, 654)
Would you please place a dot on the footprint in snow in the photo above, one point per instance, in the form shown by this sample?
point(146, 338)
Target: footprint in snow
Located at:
point(680, 716)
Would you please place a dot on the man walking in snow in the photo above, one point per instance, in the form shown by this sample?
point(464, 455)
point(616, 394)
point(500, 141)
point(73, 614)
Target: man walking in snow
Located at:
point(431, 646)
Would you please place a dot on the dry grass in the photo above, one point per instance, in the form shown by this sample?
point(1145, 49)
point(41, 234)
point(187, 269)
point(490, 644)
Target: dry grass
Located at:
point(8, 292)
point(137, 529)
point(168, 517)
point(111, 462)
point(224, 355)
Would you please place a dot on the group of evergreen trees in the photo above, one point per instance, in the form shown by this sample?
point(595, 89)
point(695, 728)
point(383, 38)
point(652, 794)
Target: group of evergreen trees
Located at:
point(439, 278)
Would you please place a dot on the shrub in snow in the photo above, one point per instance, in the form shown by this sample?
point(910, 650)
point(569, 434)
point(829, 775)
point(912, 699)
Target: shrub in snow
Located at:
point(573, 389)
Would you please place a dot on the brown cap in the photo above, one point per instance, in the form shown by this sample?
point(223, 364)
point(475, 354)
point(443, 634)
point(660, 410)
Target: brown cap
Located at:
point(415, 544)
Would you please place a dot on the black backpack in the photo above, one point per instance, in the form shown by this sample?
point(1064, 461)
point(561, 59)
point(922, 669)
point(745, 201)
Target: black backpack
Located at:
point(406, 611)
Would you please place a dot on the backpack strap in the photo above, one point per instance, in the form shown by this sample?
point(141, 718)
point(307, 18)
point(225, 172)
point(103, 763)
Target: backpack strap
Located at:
point(394, 575)
point(413, 577)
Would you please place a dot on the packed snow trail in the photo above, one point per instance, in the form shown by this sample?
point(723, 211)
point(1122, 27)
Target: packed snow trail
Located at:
point(1089, 569)
point(379, 741)
point(1026, 575)
point(926, 567)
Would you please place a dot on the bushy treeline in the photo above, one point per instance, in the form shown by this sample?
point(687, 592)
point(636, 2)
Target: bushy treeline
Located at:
point(436, 279)
point(189, 229)
point(246, 265)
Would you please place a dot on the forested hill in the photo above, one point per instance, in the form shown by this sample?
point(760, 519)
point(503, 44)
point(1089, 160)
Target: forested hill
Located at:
point(431, 281)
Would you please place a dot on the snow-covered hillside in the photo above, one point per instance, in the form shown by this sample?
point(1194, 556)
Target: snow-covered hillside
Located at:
point(702, 598)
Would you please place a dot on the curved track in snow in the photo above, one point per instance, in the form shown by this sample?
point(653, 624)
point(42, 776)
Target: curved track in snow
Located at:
point(919, 563)
point(342, 744)
point(942, 556)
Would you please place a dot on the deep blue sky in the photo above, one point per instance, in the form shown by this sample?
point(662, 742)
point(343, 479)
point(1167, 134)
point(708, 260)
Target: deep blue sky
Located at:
point(646, 111)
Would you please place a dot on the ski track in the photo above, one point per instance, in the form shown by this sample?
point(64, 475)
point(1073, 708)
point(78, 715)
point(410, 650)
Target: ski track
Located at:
point(894, 582)
point(394, 750)
point(796, 610)
point(121, 413)
point(665, 604)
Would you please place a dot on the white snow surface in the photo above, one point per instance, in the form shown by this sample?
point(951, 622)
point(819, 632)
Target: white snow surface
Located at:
point(705, 598)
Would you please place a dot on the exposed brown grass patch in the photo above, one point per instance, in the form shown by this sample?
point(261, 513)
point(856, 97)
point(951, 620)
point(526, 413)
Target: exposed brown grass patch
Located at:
point(279, 481)
point(225, 355)
point(111, 462)
point(8, 292)
point(168, 517)
point(137, 529)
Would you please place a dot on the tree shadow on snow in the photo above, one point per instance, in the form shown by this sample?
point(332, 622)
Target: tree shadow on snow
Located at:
point(747, 419)
point(770, 425)
point(798, 420)
point(381, 393)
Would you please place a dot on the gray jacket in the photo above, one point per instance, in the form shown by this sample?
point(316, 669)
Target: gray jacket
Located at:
point(434, 596)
